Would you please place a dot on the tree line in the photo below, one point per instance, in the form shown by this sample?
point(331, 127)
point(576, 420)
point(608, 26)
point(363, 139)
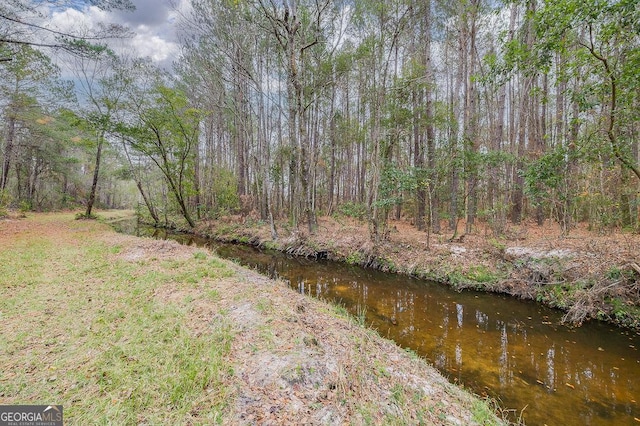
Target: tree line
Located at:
point(439, 112)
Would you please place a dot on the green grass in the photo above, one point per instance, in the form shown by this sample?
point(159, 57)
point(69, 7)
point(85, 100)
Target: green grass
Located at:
point(483, 412)
point(264, 306)
point(355, 258)
point(88, 332)
point(481, 274)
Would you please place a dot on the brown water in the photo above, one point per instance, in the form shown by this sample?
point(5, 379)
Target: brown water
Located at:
point(514, 351)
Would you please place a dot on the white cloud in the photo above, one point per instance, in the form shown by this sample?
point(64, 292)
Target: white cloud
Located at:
point(153, 25)
point(158, 49)
point(74, 21)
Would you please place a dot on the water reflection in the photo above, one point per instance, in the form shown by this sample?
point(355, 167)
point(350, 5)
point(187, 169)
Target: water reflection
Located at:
point(511, 350)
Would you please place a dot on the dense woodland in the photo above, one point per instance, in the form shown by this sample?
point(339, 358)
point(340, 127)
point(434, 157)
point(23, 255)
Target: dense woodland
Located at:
point(439, 112)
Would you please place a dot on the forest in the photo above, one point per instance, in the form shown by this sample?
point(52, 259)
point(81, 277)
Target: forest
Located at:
point(481, 144)
point(441, 113)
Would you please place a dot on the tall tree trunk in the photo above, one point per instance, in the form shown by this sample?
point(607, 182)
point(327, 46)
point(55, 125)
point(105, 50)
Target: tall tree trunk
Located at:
point(517, 196)
point(453, 156)
point(541, 137)
point(434, 212)
point(418, 161)
point(471, 114)
point(8, 149)
point(96, 173)
point(526, 127)
point(332, 142)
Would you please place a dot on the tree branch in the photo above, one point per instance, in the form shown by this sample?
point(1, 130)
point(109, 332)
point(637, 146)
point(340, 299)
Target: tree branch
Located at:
point(613, 85)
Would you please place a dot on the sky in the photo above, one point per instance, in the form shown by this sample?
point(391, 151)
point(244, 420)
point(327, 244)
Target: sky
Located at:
point(153, 22)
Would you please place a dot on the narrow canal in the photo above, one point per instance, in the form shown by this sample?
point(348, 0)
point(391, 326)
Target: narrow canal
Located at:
point(514, 351)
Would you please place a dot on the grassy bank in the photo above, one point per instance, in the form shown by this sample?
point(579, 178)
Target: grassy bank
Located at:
point(122, 330)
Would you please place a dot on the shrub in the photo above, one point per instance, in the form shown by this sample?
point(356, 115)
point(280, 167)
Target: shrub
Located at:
point(355, 210)
point(355, 258)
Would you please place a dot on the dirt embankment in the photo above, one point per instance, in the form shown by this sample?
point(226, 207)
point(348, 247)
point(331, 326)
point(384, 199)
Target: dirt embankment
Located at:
point(90, 319)
point(590, 275)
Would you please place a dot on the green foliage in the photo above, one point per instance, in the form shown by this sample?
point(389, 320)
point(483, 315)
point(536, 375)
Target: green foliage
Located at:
point(25, 206)
point(351, 209)
point(166, 130)
point(616, 273)
point(270, 245)
point(355, 258)
point(224, 190)
point(361, 315)
point(622, 312)
point(479, 277)
point(32, 70)
point(484, 412)
point(83, 216)
point(602, 210)
point(39, 154)
point(394, 183)
point(600, 41)
point(496, 158)
point(341, 311)
point(481, 274)
point(199, 255)
point(559, 295)
point(498, 245)
point(84, 47)
point(546, 174)
point(5, 201)
point(227, 231)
